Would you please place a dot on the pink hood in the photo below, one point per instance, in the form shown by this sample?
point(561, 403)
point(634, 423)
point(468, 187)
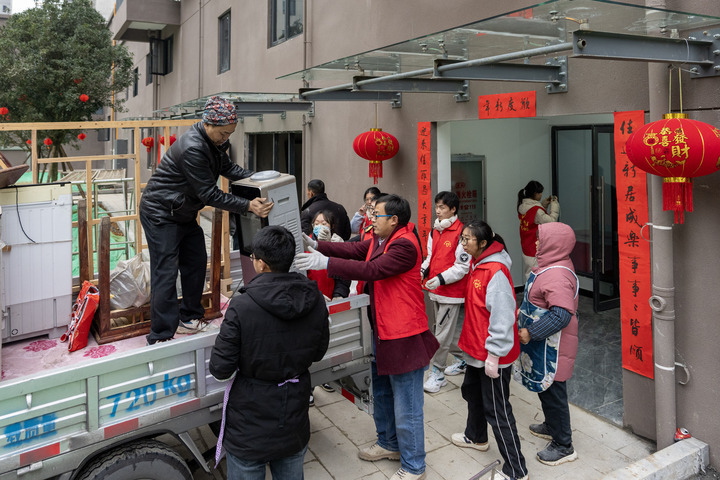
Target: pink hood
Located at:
point(556, 287)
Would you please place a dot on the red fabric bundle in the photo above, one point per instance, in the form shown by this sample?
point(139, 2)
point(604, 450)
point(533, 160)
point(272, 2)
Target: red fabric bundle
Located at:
point(81, 318)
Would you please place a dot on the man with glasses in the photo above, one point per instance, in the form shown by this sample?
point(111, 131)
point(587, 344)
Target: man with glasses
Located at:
point(389, 262)
point(446, 268)
point(271, 335)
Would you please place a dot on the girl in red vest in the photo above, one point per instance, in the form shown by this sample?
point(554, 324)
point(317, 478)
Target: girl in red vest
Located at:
point(490, 340)
point(324, 230)
point(533, 212)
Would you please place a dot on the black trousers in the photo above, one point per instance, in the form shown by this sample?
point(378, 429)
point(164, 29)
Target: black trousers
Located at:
point(489, 402)
point(555, 407)
point(174, 247)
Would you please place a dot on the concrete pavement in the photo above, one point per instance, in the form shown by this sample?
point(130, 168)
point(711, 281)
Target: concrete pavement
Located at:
point(339, 430)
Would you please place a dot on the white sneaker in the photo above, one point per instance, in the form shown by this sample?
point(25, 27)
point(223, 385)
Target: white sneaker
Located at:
point(456, 368)
point(502, 476)
point(376, 452)
point(435, 381)
point(461, 440)
point(403, 474)
point(194, 326)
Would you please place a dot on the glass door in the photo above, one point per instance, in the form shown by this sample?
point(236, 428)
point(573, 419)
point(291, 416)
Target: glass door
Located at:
point(584, 181)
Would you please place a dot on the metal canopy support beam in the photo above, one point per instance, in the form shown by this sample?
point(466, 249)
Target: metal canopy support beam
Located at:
point(615, 46)
point(554, 72)
point(414, 85)
point(347, 94)
point(257, 108)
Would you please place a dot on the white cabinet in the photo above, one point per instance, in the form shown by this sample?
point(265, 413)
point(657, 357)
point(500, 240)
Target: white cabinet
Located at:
point(36, 283)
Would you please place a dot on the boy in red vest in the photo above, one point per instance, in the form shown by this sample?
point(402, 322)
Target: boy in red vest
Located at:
point(446, 268)
point(403, 343)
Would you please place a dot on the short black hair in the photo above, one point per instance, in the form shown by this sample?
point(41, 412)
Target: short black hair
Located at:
point(449, 199)
point(316, 186)
point(329, 217)
point(375, 191)
point(275, 246)
point(396, 205)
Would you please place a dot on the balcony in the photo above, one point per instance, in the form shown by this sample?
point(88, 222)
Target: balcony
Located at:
point(139, 20)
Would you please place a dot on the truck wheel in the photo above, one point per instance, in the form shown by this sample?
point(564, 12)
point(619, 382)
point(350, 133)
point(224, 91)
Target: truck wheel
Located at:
point(146, 459)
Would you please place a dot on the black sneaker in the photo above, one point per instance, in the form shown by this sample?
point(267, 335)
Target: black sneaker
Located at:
point(540, 430)
point(312, 400)
point(327, 387)
point(555, 454)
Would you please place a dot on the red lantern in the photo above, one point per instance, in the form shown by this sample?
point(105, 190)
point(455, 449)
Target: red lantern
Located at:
point(148, 142)
point(29, 142)
point(4, 111)
point(172, 139)
point(82, 136)
point(376, 146)
point(77, 81)
point(47, 142)
point(84, 98)
point(677, 149)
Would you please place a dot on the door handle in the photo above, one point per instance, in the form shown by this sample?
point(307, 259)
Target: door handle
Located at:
point(602, 224)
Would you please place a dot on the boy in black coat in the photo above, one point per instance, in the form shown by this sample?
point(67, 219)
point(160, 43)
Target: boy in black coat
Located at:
point(270, 336)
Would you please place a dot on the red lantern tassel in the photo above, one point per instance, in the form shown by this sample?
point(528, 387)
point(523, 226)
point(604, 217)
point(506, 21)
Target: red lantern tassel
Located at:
point(677, 196)
point(375, 171)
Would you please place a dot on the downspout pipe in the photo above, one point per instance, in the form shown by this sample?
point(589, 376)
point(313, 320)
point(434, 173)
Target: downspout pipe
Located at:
point(662, 300)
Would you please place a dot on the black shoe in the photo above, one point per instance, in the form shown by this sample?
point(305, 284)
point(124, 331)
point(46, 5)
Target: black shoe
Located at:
point(555, 454)
point(327, 387)
point(540, 430)
point(312, 400)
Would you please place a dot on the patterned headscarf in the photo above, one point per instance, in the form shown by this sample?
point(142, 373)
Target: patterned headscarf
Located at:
point(219, 111)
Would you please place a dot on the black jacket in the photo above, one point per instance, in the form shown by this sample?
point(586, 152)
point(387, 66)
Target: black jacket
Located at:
point(271, 333)
point(319, 203)
point(186, 180)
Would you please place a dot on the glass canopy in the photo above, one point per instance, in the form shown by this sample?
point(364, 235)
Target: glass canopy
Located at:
point(544, 24)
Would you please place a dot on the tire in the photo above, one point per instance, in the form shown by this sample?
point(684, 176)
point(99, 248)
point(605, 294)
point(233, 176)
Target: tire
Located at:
point(144, 459)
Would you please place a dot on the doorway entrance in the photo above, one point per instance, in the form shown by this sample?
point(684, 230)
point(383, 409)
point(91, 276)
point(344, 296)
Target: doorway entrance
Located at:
point(584, 181)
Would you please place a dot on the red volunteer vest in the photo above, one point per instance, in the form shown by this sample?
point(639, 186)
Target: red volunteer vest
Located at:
point(477, 316)
point(528, 231)
point(444, 245)
point(399, 303)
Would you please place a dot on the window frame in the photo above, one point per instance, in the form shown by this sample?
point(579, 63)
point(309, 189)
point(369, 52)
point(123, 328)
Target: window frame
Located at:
point(224, 30)
point(297, 8)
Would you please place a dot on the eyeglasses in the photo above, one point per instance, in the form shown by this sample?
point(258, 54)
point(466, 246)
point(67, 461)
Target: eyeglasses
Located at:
point(464, 240)
point(375, 215)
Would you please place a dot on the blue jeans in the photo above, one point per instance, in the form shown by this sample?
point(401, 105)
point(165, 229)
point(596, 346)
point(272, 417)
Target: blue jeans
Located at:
point(290, 468)
point(398, 404)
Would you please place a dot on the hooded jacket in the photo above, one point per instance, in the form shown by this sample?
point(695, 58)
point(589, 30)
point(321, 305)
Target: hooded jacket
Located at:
point(186, 180)
point(490, 324)
point(556, 288)
point(270, 336)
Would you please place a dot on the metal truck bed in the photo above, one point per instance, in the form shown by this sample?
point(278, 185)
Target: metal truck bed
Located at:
point(53, 422)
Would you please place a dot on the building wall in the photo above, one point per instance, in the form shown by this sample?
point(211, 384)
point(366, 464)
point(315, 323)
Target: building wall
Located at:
point(515, 150)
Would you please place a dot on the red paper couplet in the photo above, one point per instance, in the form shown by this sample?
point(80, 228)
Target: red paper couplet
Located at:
point(634, 251)
point(507, 105)
point(425, 205)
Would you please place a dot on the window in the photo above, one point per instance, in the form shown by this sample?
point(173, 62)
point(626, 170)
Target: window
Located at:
point(286, 20)
point(224, 43)
point(136, 76)
point(148, 69)
point(160, 56)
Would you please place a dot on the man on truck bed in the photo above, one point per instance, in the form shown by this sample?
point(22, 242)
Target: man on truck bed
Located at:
point(271, 335)
point(186, 181)
point(390, 263)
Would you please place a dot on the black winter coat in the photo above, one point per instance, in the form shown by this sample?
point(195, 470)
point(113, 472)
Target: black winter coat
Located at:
point(319, 203)
point(186, 180)
point(271, 333)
